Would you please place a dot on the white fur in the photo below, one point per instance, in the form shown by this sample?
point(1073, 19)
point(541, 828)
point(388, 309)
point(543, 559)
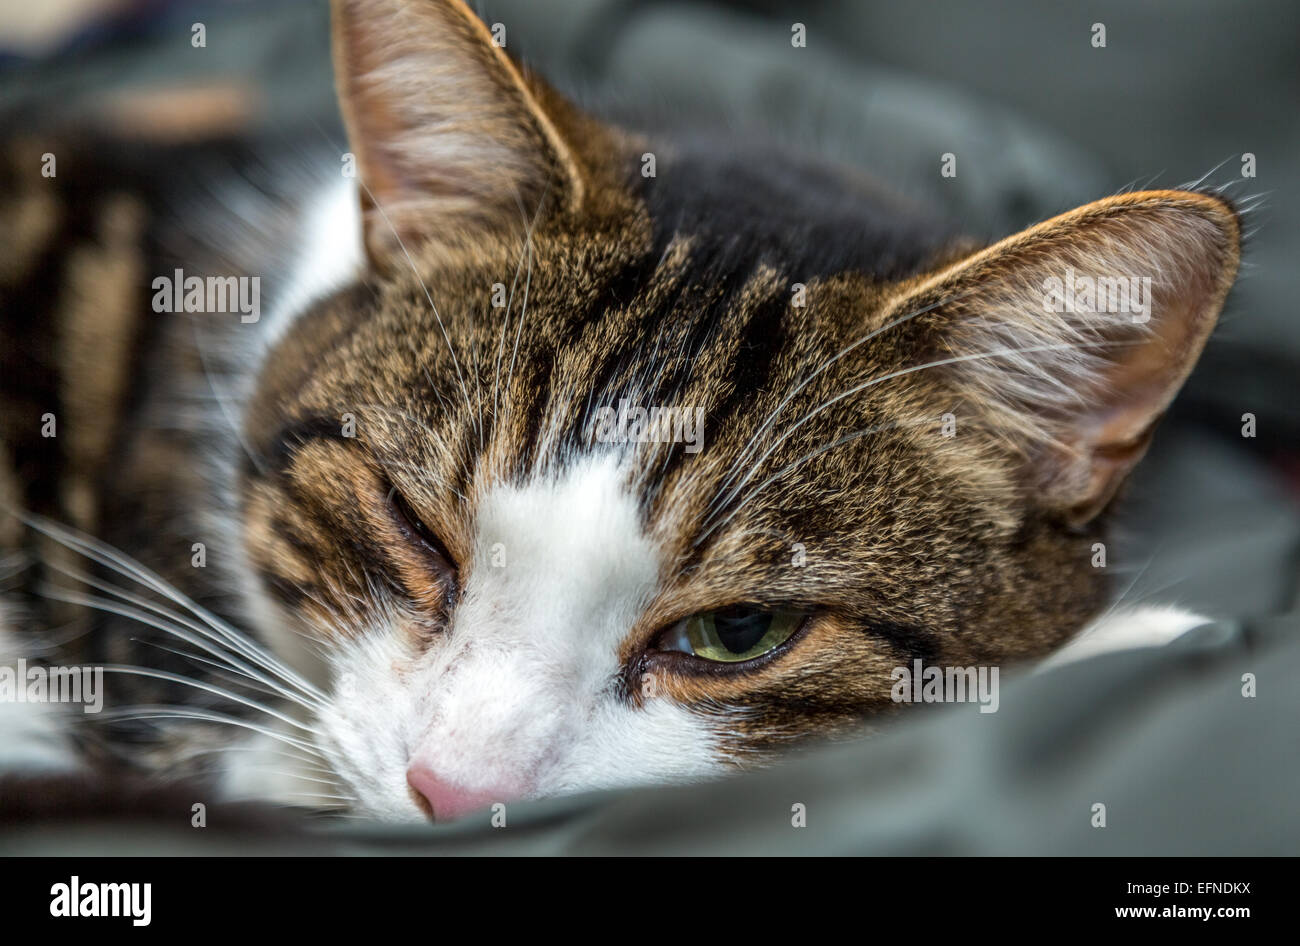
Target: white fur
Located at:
point(519, 691)
point(330, 256)
point(1147, 626)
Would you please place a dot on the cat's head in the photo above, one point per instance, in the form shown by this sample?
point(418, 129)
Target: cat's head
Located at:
point(862, 443)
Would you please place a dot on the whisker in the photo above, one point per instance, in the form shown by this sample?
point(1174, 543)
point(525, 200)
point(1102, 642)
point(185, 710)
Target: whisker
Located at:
point(797, 463)
point(326, 795)
point(411, 263)
point(1068, 346)
point(207, 687)
point(122, 564)
point(164, 711)
point(111, 607)
point(180, 621)
point(224, 672)
point(523, 316)
point(771, 418)
point(514, 282)
point(306, 762)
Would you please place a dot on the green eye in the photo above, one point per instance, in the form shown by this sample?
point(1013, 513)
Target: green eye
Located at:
point(733, 634)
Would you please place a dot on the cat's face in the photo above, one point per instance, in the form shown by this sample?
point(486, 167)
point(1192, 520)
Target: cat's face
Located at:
point(876, 452)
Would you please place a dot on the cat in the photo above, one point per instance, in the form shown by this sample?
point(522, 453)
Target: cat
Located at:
point(389, 531)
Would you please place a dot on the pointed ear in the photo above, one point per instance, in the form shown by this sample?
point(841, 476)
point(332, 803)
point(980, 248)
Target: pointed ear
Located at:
point(1067, 342)
point(448, 135)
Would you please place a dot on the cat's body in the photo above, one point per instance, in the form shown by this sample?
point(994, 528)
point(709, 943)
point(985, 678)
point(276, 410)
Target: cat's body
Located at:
point(400, 481)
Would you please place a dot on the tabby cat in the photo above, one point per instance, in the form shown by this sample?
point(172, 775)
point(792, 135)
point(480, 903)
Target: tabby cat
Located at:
point(546, 466)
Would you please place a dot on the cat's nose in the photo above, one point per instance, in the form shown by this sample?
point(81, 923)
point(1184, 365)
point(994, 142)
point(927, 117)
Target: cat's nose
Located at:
point(447, 800)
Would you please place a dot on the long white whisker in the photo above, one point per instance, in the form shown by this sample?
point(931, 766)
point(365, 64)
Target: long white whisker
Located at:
point(325, 795)
point(163, 711)
point(227, 673)
point(871, 383)
point(112, 607)
point(510, 301)
point(207, 687)
point(523, 315)
point(771, 418)
point(178, 619)
point(110, 558)
point(411, 263)
point(307, 762)
point(857, 434)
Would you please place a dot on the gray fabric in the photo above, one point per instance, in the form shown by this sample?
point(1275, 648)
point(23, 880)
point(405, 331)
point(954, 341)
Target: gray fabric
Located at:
point(708, 63)
point(1164, 738)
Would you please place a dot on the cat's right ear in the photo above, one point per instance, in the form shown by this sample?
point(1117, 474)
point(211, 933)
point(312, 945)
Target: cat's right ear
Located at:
point(448, 134)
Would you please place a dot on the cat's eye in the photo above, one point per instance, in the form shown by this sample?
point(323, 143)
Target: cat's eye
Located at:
point(732, 635)
point(409, 521)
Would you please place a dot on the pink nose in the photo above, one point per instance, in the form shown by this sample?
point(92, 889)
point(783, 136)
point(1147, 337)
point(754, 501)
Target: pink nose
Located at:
point(446, 799)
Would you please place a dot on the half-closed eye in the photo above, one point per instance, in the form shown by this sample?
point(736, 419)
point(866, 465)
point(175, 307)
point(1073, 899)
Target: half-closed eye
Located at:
point(731, 635)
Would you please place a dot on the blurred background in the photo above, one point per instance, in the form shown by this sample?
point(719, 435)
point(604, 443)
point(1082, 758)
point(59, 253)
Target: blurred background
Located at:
point(1041, 118)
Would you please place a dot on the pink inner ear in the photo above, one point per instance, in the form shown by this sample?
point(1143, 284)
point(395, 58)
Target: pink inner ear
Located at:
point(1091, 474)
point(1135, 392)
point(447, 133)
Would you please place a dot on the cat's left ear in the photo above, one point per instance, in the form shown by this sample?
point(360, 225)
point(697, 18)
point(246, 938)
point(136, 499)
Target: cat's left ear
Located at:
point(449, 136)
point(1067, 342)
